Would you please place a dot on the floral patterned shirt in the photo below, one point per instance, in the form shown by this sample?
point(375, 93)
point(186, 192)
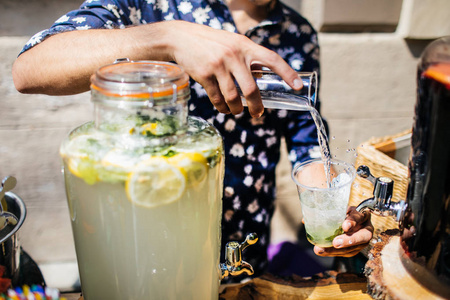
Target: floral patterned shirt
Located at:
point(252, 146)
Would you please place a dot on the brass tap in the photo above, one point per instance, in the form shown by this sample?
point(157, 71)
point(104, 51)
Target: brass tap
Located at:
point(234, 265)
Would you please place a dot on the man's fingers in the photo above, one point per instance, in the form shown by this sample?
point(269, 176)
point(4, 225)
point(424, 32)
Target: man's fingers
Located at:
point(348, 245)
point(230, 94)
point(250, 91)
point(226, 63)
point(215, 96)
point(355, 220)
point(361, 237)
point(358, 217)
point(278, 65)
point(349, 252)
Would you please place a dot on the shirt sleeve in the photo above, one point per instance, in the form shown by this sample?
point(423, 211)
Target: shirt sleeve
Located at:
point(92, 14)
point(300, 130)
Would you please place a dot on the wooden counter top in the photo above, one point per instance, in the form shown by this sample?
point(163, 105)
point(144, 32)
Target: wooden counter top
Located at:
point(328, 285)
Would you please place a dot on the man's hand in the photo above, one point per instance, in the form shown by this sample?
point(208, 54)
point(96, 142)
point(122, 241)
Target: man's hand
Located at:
point(358, 231)
point(217, 58)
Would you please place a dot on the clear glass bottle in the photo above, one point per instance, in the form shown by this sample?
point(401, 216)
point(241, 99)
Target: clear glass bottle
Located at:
point(144, 186)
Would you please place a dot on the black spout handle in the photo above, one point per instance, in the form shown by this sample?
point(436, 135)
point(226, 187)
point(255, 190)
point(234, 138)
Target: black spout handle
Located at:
point(364, 172)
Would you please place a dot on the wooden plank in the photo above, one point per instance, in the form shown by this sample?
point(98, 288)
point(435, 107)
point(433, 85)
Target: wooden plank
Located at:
point(331, 285)
point(72, 296)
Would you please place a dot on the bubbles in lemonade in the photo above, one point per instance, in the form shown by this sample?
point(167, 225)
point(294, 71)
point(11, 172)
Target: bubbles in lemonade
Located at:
point(146, 220)
point(325, 210)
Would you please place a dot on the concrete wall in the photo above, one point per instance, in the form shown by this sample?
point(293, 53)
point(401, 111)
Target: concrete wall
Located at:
point(367, 89)
point(25, 18)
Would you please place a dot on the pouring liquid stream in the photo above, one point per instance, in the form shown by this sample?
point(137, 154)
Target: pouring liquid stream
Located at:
point(279, 100)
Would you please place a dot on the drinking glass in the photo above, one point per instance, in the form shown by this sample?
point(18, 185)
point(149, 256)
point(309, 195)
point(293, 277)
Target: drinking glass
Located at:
point(276, 93)
point(324, 191)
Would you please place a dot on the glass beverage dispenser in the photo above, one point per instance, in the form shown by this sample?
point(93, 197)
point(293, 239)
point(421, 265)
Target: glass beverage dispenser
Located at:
point(144, 188)
point(426, 233)
point(424, 217)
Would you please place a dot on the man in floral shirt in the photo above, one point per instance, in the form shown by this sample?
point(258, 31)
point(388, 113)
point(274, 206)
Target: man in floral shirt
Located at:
point(215, 56)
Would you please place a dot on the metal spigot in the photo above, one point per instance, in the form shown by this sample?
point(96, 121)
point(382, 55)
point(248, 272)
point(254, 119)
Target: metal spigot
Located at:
point(381, 203)
point(234, 265)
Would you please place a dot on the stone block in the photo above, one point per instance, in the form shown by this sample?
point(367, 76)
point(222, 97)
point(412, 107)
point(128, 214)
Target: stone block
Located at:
point(360, 15)
point(424, 19)
point(25, 18)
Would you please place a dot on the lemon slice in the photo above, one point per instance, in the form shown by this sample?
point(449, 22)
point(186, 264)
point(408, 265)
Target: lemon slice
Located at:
point(193, 165)
point(155, 182)
point(83, 168)
point(82, 153)
point(116, 165)
point(149, 129)
point(84, 146)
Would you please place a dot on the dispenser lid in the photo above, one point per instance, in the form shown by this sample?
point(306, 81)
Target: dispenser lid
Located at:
point(141, 79)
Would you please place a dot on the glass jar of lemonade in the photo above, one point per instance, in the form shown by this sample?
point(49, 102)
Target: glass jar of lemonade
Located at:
point(144, 186)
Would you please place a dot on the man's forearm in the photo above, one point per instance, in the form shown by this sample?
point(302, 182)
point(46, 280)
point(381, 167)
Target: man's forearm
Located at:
point(63, 63)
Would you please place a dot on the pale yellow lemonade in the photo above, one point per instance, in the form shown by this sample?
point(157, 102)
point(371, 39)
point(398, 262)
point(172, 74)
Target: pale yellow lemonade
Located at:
point(146, 222)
